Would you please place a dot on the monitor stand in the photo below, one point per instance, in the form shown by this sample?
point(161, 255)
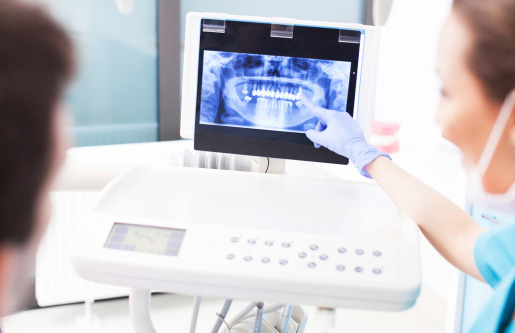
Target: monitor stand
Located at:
point(268, 165)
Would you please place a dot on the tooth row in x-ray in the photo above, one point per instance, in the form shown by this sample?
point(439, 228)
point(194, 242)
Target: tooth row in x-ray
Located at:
point(288, 94)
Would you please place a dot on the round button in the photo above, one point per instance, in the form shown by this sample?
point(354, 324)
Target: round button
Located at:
point(269, 243)
point(323, 257)
point(377, 253)
point(247, 258)
point(358, 269)
point(314, 247)
point(265, 260)
point(359, 252)
point(342, 250)
point(283, 262)
point(312, 265)
point(377, 271)
point(251, 241)
point(235, 239)
point(302, 255)
point(230, 256)
point(286, 244)
point(340, 267)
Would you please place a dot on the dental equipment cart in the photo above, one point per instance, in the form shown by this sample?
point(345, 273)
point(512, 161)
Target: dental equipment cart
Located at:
point(274, 238)
point(254, 236)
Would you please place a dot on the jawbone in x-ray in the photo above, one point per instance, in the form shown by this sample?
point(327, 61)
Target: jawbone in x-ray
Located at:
point(263, 91)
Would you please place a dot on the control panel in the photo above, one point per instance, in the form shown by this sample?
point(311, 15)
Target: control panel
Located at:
point(329, 257)
point(193, 231)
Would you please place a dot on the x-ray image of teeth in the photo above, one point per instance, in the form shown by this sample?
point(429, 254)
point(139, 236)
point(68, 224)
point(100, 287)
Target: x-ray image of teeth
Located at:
point(263, 91)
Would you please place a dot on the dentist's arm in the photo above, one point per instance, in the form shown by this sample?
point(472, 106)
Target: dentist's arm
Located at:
point(449, 229)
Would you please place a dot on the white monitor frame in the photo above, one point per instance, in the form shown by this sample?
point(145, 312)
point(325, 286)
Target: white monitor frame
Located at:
point(367, 65)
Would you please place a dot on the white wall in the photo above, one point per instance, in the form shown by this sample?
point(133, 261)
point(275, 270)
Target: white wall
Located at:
point(407, 86)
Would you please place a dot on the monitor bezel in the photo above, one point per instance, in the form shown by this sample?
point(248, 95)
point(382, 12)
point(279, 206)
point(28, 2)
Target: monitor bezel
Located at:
point(306, 43)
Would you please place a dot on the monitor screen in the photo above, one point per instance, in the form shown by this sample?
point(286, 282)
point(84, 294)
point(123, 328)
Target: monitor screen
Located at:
point(263, 91)
point(249, 88)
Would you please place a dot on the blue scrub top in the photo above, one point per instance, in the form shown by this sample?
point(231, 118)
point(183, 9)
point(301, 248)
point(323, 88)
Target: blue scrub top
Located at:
point(494, 253)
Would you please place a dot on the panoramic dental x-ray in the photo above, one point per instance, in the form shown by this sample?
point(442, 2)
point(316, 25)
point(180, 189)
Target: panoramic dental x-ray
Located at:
point(263, 91)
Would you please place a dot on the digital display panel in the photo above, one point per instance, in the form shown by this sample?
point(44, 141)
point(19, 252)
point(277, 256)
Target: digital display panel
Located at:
point(141, 238)
point(249, 86)
point(263, 91)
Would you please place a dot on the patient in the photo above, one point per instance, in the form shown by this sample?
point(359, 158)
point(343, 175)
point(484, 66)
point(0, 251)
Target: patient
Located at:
point(36, 64)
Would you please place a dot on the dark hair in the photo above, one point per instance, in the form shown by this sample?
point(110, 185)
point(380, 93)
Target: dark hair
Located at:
point(492, 54)
point(36, 62)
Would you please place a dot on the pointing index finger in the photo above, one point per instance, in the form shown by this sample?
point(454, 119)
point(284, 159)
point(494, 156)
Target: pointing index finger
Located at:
point(322, 114)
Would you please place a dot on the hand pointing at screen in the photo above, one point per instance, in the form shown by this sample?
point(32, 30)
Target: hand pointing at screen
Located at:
point(337, 131)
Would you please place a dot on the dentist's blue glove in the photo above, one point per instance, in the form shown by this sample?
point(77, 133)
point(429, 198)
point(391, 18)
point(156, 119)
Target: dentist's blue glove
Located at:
point(337, 131)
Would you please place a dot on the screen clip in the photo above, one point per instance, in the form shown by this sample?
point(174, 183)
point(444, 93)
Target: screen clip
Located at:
point(348, 36)
point(213, 25)
point(282, 28)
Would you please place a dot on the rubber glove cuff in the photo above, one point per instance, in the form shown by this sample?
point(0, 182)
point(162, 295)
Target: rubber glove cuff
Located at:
point(362, 154)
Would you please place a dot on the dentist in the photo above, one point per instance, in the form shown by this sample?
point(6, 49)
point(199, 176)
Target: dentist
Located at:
point(476, 64)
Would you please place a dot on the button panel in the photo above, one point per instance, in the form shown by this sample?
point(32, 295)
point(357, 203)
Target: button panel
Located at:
point(325, 258)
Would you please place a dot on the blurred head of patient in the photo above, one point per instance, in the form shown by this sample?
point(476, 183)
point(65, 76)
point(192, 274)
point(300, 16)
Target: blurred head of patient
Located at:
point(36, 64)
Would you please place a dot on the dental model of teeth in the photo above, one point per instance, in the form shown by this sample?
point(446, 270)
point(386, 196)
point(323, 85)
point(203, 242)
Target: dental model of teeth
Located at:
point(277, 94)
